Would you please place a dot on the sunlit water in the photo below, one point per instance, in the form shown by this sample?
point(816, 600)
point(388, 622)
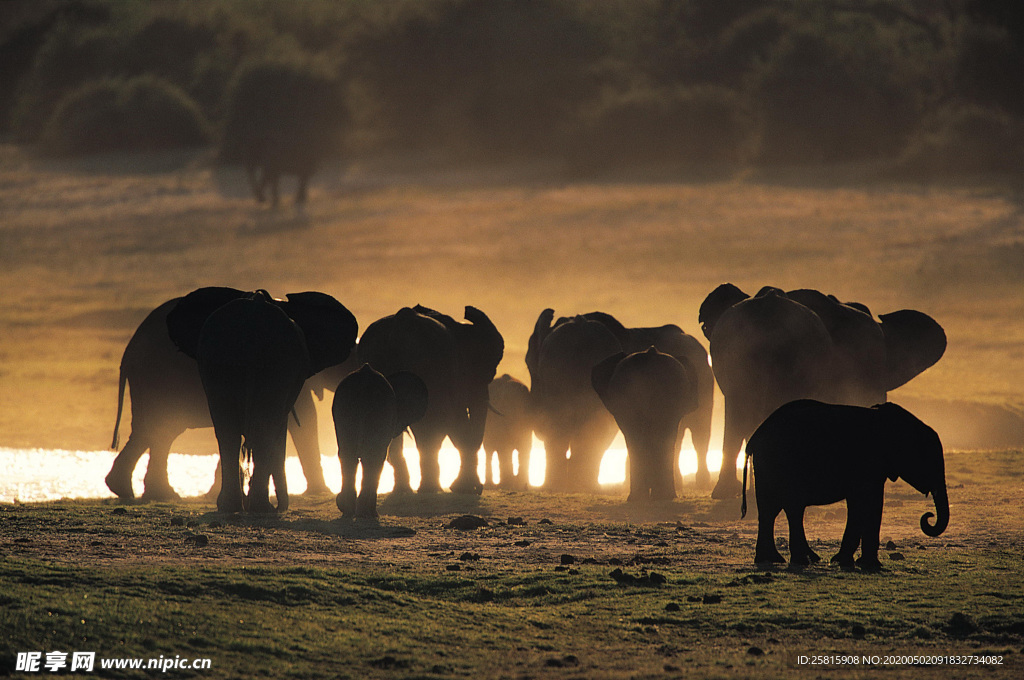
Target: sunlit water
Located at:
point(32, 475)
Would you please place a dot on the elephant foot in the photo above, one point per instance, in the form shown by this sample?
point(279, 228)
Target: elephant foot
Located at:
point(403, 489)
point(429, 488)
point(768, 557)
point(845, 562)
point(347, 506)
point(317, 490)
point(727, 488)
point(160, 494)
point(229, 506)
point(120, 485)
point(703, 479)
point(467, 485)
point(261, 506)
point(869, 564)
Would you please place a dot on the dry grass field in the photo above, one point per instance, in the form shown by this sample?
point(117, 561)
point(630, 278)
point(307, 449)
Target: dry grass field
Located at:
point(87, 248)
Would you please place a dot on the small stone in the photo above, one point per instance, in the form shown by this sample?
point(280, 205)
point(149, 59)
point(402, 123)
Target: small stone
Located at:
point(656, 579)
point(467, 523)
point(567, 559)
point(469, 557)
point(672, 607)
point(755, 651)
point(119, 511)
point(215, 524)
point(545, 521)
point(858, 631)
point(712, 599)
point(516, 521)
point(198, 540)
point(521, 544)
point(177, 521)
point(896, 556)
point(454, 567)
point(615, 561)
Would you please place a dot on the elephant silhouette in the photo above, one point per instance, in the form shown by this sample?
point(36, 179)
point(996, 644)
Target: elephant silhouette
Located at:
point(811, 453)
point(167, 398)
point(254, 353)
point(370, 411)
point(778, 347)
point(648, 394)
point(456, 361)
point(509, 430)
point(569, 416)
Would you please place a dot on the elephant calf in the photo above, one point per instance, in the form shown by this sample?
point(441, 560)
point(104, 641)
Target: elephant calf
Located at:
point(811, 453)
point(648, 393)
point(507, 431)
point(369, 412)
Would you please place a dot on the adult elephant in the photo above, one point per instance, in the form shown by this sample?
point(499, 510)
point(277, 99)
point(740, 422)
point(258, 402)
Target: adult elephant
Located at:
point(568, 414)
point(779, 347)
point(570, 417)
point(254, 353)
point(456, 361)
point(648, 394)
point(509, 430)
point(167, 399)
point(811, 453)
point(370, 410)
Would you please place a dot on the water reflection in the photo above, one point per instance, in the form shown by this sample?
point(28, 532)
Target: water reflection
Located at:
point(33, 475)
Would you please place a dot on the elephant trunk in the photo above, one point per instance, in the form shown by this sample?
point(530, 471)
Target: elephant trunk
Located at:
point(942, 508)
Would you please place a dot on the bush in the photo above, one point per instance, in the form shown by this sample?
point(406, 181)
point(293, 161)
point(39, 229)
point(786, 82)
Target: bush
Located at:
point(293, 108)
point(965, 139)
point(700, 127)
point(139, 114)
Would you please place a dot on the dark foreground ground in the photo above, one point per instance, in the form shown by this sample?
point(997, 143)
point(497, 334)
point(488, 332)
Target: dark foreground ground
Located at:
point(553, 586)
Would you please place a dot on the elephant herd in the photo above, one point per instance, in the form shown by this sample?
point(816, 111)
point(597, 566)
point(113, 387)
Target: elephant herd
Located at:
point(803, 375)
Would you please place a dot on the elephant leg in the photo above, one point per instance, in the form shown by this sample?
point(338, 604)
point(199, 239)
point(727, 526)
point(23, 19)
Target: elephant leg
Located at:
point(230, 497)
point(307, 444)
point(728, 485)
point(506, 474)
point(851, 540)
point(272, 180)
point(256, 182)
point(301, 191)
point(156, 485)
point(119, 479)
point(468, 479)
point(870, 523)
point(661, 478)
point(346, 499)
point(259, 490)
point(556, 473)
point(799, 550)
point(765, 551)
point(639, 488)
point(522, 477)
point(429, 447)
point(366, 505)
point(676, 473)
point(396, 456)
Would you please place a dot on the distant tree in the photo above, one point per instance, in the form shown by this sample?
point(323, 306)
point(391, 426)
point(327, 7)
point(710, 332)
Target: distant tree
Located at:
point(283, 117)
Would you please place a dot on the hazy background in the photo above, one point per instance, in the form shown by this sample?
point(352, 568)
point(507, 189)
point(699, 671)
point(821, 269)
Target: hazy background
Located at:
point(622, 155)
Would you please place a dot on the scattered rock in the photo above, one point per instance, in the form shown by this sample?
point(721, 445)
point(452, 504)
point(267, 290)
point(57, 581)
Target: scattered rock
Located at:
point(890, 545)
point(215, 524)
point(712, 599)
point(467, 523)
point(545, 521)
point(454, 567)
point(858, 631)
point(469, 557)
point(567, 559)
point(567, 660)
point(672, 607)
point(755, 651)
point(198, 540)
point(896, 556)
point(589, 560)
point(516, 522)
point(694, 598)
point(389, 662)
point(177, 521)
point(521, 544)
point(651, 579)
point(961, 625)
point(119, 511)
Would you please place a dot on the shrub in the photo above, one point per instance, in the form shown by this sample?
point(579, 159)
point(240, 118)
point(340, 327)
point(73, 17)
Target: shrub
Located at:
point(965, 139)
point(139, 114)
point(682, 127)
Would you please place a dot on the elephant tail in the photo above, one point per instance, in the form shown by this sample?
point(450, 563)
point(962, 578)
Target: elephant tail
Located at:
point(746, 464)
point(122, 380)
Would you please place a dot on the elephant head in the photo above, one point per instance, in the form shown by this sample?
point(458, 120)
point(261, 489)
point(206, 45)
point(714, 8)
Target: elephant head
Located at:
point(916, 456)
point(328, 327)
point(717, 302)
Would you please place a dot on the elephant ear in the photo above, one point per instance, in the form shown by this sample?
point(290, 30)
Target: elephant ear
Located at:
point(621, 333)
point(330, 329)
point(914, 342)
point(541, 330)
point(601, 374)
point(488, 344)
point(185, 321)
point(411, 398)
point(716, 304)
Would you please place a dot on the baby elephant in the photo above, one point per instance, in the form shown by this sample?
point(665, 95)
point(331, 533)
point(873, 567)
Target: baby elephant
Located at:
point(507, 431)
point(369, 411)
point(648, 393)
point(810, 453)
